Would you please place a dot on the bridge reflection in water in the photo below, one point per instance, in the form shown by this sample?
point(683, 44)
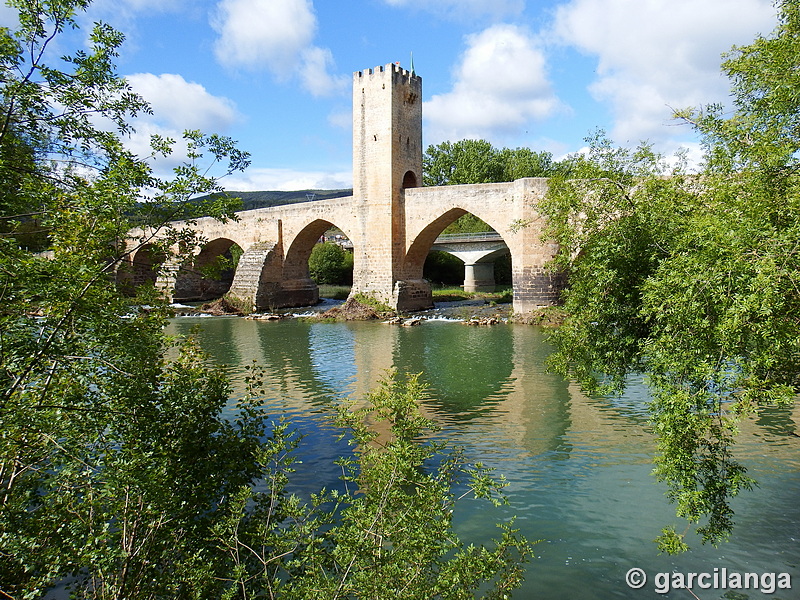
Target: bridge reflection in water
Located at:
point(578, 467)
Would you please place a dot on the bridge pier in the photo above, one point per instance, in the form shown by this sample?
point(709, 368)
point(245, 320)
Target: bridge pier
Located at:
point(167, 276)
point(297, 292)
point(479, 277)
point(412, 294)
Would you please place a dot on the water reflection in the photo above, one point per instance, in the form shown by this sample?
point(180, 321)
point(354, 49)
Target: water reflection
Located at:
point(578, 467)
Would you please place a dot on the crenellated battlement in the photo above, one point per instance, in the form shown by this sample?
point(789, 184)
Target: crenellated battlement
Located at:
point(381, 70)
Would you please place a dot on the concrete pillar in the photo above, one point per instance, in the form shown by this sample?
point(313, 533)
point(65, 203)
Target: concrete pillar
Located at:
point(479, 277)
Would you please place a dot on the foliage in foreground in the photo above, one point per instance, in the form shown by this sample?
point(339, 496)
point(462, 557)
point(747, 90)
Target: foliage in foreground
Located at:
point(120, 477)
point(388, 532)
point(693, 279)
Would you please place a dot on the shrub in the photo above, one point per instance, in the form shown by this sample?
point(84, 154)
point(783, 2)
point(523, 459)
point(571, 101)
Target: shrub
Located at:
point(330, 263)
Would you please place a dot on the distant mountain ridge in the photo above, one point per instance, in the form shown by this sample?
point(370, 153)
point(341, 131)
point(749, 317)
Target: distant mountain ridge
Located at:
point(266, 199)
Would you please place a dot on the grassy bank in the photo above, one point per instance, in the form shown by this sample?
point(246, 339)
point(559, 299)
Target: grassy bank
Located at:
point(501, 295)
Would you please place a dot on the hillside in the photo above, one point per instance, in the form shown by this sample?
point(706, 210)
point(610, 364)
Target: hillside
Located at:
point(251, 200)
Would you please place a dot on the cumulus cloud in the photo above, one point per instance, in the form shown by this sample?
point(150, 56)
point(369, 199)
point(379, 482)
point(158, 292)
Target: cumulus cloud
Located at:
point(315, 72)
point(182, 104)
point(465, 9)
point(256, 179)
point(264, 33)
point(177, 105)
point(501, 84)
point(277, 36)
point(657, 55)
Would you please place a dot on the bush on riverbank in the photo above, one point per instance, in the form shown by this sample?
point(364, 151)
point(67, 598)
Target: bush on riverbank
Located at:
point(355, 310)
point(329, 263)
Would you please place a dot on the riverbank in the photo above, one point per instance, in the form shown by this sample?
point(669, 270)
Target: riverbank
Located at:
point(475, 310)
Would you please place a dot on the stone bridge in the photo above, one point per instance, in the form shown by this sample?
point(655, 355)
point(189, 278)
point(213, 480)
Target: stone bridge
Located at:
point(391, 222)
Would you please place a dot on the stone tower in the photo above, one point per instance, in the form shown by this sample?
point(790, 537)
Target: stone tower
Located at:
point(387, 158)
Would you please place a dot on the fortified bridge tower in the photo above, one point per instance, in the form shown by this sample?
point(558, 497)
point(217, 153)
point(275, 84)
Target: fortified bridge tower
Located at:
point(387, 160)
point(391, 221)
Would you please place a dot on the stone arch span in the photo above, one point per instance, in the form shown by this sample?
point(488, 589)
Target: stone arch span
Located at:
point(299, 250)
point(478, 264)
point(510, 209)
point(421, 244)
point(282, 278)
point(141, 268)
point(210, 273)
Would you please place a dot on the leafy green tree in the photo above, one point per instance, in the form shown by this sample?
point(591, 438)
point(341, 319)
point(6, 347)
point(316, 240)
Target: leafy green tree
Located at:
point(465, 161)
point(119, 475)
point(477, 161)
point(330, 263)
point(524, 162)
point(692, 279)
point(98, 429)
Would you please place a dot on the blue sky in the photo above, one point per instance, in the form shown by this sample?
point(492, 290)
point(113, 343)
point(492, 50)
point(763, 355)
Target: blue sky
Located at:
point(276, 74)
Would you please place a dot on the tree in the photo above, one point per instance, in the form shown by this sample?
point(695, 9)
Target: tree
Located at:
point(388, 533)
point(120, 477)
point(465, 161)
point(692, 279)
point(98, 429)
point(477, 161)
point(524, 162)
point(330, 263)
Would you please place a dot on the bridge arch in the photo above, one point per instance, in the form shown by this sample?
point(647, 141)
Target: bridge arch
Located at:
point(421, 244)
point(210, 273)
point(297, 283)
point(295, 264)
point(141, 268)
point(479, 274)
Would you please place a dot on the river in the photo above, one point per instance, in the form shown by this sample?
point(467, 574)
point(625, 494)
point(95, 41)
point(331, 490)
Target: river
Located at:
point(578, 467)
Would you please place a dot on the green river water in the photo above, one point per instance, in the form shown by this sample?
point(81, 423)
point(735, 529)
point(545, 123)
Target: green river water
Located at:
point(578, 467)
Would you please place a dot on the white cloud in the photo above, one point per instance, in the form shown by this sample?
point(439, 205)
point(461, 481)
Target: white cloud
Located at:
point(257, 179)
point(264, 33)
point(501, 84)
point(181, 104)
point(177, 105)
point(464, 9)
point(315, 73)
point(657, 55)
point(277, 36)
